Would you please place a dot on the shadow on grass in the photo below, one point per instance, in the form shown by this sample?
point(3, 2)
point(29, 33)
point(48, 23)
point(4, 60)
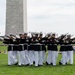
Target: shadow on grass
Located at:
point(33, 67)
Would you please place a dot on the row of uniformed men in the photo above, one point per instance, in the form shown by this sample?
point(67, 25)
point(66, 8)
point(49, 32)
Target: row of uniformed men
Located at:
point(26, 52)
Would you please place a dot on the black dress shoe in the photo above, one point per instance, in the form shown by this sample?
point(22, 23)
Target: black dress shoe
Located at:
point(16, 63)
point(33, 62)
point(40, 65)
point(51, 64)
point(47, 63)
point(66, 63)
point(27, 65)
point(60, 63)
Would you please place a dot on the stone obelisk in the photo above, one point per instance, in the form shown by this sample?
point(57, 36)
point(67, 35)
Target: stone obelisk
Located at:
point(16, 17)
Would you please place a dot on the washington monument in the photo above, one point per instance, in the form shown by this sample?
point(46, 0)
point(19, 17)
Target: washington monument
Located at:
point(16, 16)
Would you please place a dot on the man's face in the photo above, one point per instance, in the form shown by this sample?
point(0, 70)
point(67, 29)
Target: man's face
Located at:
point(25, 35)
point(53, 35)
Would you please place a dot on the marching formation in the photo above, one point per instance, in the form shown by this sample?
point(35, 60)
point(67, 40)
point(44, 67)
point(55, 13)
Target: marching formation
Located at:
point(26, 50)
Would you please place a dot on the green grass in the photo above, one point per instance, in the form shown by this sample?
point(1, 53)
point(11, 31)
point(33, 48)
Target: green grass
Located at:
point(31, 70)
point(2, 48)
point(1, 42)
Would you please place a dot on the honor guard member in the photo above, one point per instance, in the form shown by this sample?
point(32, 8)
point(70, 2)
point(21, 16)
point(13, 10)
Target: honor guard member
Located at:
point(69, 49)
point(54, 50)
point(26, 42)
point(11, 56)
point(49, 57)
point(21, 51)
point(36, 48)
point(62, 50)
point(42, 52)
point(15, 48)
point(43, 42)
point(31, 49)
point(38, 51)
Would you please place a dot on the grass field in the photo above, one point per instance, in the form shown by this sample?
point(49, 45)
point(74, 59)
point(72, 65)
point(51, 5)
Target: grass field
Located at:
point(2, 48)
point(1, 42)
point(31, 70)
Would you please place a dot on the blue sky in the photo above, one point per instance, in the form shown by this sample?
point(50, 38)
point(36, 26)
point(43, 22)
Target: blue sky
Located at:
point(46, 16)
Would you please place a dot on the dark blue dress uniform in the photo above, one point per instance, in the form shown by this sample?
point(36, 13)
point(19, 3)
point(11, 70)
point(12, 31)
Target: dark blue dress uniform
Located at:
point(30, 44)
point(21, 44)
point(43, 43)
point(9, 42)
point(52, 44)
point(69, 51)
point(26, 42)
point(62, 45)
point(12, 59)
point(52, 51)
point(68, 45)
point(16, 44)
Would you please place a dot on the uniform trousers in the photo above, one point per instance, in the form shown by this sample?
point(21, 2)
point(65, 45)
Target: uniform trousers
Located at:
point(27, 57)
point(63, 59)
point(31, 57)
point(52, 57)
point(38, 57)
point(21, 58)
point(41, 57)
point(12, 57)
point(49, 57)
point(69, 57)
point(21, 55)
point(38, 54)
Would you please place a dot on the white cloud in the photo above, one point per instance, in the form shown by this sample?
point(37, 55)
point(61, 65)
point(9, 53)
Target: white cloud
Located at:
point(51, 15)
point(51, 7)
